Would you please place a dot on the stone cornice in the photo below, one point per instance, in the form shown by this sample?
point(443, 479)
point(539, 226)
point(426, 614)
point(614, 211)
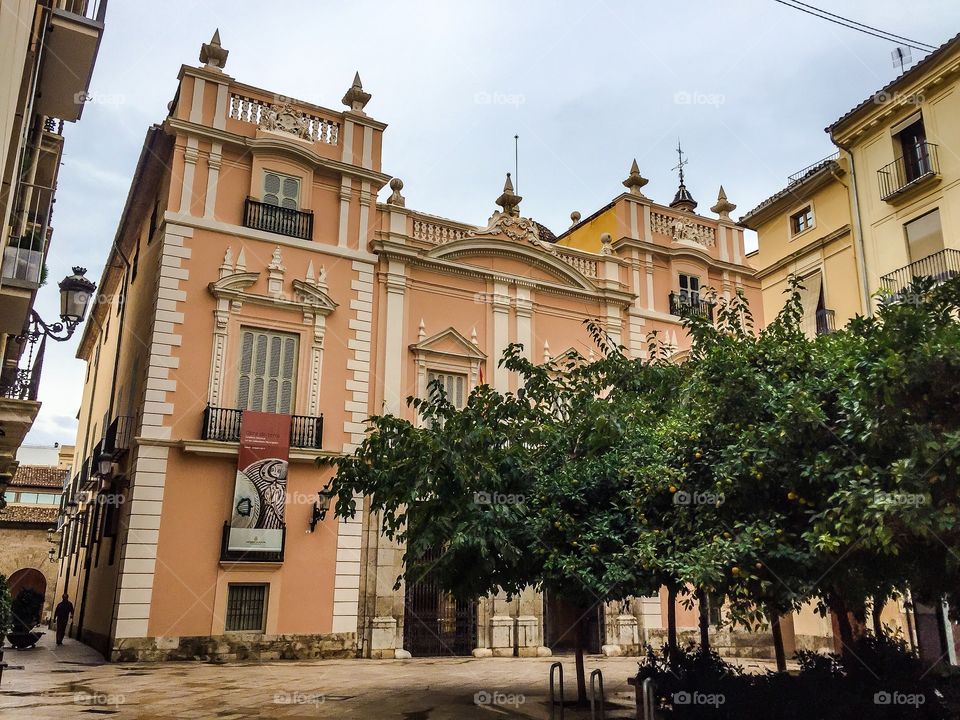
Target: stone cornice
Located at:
point(689, 251)
point(294, 148)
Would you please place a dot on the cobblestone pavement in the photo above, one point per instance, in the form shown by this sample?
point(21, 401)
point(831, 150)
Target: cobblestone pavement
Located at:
point(75, 682)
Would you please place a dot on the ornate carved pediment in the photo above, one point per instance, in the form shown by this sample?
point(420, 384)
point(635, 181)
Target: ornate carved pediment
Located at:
point(516, 228)
point(235, 282)
point(307, 294)
point(448, 342)
point(687, 231)
point(285, 119)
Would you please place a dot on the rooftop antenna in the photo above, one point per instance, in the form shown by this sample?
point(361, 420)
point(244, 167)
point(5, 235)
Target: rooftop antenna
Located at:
point(516, 163)
point(901, 56)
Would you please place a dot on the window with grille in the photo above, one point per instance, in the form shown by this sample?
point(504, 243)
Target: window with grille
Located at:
point(689, 288)
point(246, 607)
point(454, 385)
point(268, 371)
point(281, 190)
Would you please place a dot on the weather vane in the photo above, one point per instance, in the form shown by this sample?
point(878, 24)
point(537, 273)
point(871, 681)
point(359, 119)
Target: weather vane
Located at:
point(681, 163)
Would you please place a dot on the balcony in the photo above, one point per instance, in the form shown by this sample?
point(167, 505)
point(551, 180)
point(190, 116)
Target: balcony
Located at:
point(279, 220)
point(223, 425)
point(71, 41)
point(917, 169)
point(940, 266)
point(825, 321)
point(117, 440)
point(684, 305)
point(228, 555)
point(22, 264)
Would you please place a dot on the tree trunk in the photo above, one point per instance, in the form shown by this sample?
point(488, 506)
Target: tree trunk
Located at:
point(671, 622)
point(839, 609)
point(703, 610)
point(777, 640)
point(580, 634)
point(878, 604)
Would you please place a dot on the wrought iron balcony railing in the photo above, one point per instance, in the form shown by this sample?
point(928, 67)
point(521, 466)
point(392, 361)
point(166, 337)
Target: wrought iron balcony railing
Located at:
point(684, 305)
point(276, 219)
point(939, 266)
point(825, 321)
point(228, 555)
point(223, 425)
point(117, 440)
point(909, 170)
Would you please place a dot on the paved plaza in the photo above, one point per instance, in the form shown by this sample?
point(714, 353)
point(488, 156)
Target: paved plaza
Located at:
point(74, 682)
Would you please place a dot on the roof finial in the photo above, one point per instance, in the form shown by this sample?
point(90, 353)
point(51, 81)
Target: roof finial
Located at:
point(509, 200)
point(635, 180)
point(355, 98)
point(396, 184)
point(683, 200)
point(212, 54)
point(723, 206)
point(574, 218)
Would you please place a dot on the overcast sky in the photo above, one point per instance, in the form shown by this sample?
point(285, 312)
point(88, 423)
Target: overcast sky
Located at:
point(747, 86)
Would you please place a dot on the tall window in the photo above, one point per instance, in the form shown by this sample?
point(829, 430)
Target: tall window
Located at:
point(246, 607)
point(913, 146)
point(924, 235)
point(801, 221)
point(454, 384)
point(689, 289)
point(268, 371)
point(282, 190)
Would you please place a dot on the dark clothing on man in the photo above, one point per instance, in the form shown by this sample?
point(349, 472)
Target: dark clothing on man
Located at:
point(62, 615)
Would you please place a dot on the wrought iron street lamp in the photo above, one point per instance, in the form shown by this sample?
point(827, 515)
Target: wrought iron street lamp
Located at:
point(75, 293)
point(104, 465)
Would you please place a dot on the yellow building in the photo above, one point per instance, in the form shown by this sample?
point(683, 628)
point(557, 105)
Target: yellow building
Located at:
point(901, 143)
point(805, 230)
point(47, 54)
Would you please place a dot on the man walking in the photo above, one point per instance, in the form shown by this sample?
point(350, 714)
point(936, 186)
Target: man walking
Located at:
point(62, 614)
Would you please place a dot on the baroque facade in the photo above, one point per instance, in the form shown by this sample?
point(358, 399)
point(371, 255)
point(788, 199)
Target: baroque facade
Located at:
point(255, 271)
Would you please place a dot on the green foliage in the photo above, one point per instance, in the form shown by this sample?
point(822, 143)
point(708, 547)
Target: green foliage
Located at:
point(4, 607)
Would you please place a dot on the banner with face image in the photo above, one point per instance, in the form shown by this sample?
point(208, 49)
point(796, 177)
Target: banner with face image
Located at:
point(260, 490)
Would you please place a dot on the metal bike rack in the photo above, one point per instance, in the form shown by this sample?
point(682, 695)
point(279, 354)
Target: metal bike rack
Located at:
point(553, 709)
point(594, 676)
point(648, 698)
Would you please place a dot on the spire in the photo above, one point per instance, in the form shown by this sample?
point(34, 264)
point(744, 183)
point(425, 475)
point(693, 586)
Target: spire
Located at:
point(212, 54)
point(723, 206)
point(355, 98)
point(634, 180)
point(509, 201)
point(683, 200)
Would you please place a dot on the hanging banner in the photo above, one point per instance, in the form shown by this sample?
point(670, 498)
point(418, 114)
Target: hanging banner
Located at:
point(261, 486)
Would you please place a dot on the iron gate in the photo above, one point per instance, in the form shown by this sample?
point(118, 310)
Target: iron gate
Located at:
point(435, 623)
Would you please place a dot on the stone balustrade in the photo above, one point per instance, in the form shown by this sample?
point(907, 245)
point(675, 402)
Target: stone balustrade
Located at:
point(266, 114)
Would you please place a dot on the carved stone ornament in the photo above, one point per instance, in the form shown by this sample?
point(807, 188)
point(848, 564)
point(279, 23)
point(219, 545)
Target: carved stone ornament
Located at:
point(285, 119)
point(687, 231)
point(516, 228)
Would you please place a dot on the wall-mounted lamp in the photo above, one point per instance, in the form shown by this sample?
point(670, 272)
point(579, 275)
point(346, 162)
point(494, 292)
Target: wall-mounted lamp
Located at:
point(104, 465)
point(52, 555)
point(320, 507)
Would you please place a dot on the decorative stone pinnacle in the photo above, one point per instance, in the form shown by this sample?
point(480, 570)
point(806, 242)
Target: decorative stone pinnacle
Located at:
point(212, 54)
point(635, 180)
point(396, 198)
point(509, 200)
point(574, 217)
point(355, 98)
point(723, 206)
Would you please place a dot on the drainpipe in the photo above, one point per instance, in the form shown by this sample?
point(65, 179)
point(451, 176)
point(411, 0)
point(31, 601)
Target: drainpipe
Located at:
point(858, 235)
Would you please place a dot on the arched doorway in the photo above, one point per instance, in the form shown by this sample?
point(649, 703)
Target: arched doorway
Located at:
point(27, 578)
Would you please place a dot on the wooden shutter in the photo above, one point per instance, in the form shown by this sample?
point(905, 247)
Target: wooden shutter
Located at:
point(268, 371)
point(282, 190)
point(454, 386)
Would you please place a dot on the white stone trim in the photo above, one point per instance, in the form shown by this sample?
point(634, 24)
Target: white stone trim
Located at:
point(190, 156)
point(196, 105)
point(213, 175)
point(500, 307)
point(345, 187)
point(367, 160)
point(395, 285)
